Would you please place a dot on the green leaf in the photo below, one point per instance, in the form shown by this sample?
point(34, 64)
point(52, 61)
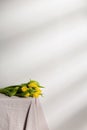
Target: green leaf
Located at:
point(33, 81)
point(41, 86)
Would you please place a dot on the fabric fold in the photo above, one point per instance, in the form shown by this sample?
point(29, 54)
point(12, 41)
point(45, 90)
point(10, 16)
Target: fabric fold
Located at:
point(36, 119)
point(21, 114)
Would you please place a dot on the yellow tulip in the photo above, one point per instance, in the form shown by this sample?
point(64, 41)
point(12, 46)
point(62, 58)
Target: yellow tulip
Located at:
point(27, 95)
point(32, 85)
point(39, 91)
point(24, 88)
point(36, 95)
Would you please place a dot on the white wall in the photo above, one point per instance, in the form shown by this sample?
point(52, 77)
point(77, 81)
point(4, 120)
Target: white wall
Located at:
point(46, 40)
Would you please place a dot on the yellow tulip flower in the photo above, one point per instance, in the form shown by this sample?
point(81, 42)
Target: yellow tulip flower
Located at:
point(27, 95)
point(36, 95)
point(32, 85)
point(24, 88)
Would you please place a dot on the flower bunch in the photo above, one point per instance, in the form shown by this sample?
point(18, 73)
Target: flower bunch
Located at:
point(30, 89)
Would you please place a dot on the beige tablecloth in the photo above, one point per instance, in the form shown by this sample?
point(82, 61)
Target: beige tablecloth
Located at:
point(21, 114)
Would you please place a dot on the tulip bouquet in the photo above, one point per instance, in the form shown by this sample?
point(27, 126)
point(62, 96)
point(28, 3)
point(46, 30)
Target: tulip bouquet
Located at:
point(30, 89)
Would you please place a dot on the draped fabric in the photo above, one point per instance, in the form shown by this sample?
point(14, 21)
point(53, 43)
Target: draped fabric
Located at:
point(46, 40)
point(21, 114)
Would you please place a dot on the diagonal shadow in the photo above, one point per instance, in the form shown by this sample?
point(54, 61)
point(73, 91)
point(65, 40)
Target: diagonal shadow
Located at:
point(67, 89)
point(29, 31)
point(76, 122)
point(55, 61)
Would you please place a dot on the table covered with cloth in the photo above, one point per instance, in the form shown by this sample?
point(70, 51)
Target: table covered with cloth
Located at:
point(21, 114)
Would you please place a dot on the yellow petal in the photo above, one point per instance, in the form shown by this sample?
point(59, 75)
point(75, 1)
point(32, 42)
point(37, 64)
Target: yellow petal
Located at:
point(27, 95)
point(32, 85)
point(35, 95)
point(24, 88)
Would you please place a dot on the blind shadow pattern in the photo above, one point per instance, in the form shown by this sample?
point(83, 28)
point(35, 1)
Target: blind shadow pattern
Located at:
point(46, 40)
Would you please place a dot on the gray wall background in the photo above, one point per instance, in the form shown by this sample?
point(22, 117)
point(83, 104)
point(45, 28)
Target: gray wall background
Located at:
point(46, 40)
